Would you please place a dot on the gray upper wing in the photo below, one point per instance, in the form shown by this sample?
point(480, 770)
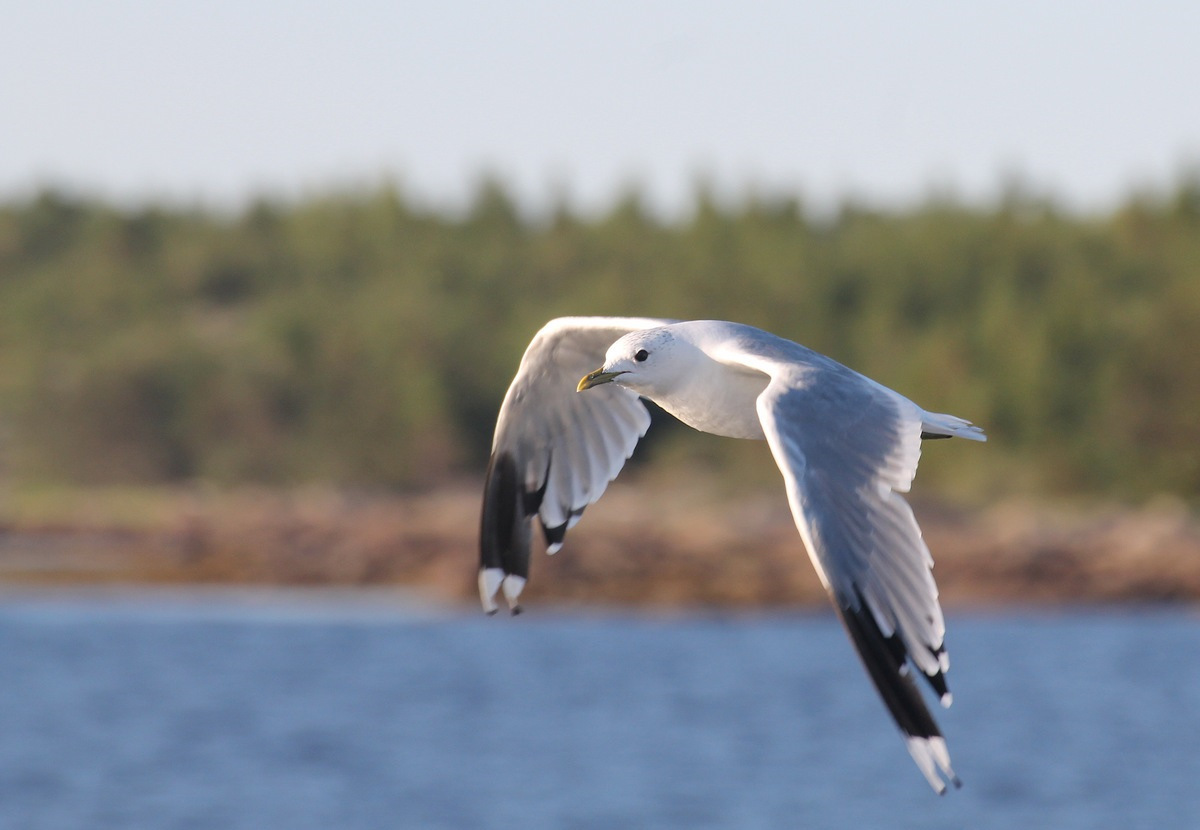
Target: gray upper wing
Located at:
point(555, 450)
point(848, 448)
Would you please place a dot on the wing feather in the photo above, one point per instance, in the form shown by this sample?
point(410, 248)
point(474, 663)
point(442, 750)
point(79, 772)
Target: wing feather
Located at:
point(559, 448)
point(844, 487)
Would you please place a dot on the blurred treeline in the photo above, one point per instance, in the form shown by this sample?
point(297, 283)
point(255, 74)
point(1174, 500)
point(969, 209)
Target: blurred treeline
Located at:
point(361, 339)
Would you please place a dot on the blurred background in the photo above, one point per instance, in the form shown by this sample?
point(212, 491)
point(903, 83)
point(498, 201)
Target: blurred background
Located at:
point(266, 270)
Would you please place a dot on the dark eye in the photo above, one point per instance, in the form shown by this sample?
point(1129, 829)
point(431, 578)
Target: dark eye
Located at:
point(641, 355)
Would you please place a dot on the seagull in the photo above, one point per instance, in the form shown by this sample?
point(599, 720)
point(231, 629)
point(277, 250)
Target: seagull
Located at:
point(847, 447)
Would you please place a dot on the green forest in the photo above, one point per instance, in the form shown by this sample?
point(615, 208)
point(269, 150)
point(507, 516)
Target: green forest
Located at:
point(359, 338)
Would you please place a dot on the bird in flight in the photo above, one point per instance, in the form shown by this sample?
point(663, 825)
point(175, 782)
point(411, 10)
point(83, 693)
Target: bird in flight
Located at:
point(847, 448)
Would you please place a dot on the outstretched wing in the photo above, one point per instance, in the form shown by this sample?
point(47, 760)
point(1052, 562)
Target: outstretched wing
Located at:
point(554, 450)
point(848, 448)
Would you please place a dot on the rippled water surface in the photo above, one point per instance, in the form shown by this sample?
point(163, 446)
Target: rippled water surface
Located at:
point(202, 713)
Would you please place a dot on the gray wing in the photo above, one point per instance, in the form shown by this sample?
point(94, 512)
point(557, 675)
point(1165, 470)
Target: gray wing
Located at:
point(554, 450)
point(848, 448)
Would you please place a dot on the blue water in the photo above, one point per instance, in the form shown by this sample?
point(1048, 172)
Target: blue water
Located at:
point(208, 715)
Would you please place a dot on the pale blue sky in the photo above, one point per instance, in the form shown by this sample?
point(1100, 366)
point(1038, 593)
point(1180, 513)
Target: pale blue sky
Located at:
point(144, 99)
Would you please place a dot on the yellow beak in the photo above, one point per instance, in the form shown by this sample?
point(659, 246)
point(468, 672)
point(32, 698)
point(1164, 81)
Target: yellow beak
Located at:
point(596, 378)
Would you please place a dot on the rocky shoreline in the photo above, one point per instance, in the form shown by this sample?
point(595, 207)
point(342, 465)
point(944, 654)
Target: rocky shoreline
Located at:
point(636, 548)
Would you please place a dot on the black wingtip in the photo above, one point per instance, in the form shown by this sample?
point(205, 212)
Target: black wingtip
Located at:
point(937, 681)
point(504, 530)
point(554, 535)
point(885, 658)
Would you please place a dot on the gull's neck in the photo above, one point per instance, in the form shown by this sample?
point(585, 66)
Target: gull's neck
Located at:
point(716, 397)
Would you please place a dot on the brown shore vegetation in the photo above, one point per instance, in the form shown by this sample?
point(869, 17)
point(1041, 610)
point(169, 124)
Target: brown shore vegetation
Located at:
point(638, 547)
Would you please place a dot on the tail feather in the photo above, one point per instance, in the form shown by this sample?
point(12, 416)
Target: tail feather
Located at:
point(939, 425)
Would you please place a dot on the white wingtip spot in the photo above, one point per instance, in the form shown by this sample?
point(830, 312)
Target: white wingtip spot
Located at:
point(933, 759)
point(513, 585)
point(553, 549)
point(490, 580)
point(947, 699)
